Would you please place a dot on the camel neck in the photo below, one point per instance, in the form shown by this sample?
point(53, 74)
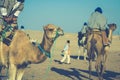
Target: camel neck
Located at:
point(46, 44)
point(110, 34)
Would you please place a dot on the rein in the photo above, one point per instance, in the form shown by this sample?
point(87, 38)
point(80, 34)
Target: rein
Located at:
point(3, 33)
point(48, 55)
point(6, 39)
point(57, 35)
point(45, 52)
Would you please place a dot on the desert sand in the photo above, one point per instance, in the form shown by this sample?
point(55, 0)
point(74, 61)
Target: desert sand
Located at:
point(78, 69)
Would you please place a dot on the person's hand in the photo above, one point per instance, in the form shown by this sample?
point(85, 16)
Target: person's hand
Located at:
point(8, 19)
point(14, 18)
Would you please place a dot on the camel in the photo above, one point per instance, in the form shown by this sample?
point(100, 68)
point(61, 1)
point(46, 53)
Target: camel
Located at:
point(22, 52)
point(81, 47)
point(95, 45)
point(112, 27)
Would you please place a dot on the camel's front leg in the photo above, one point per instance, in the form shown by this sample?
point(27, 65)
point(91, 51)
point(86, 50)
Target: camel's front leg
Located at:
point(90, 68)
point(99, 66)
point(20, 73)
point(78, 52)
point(85, 54)
point(12, 72)
point(106, 51)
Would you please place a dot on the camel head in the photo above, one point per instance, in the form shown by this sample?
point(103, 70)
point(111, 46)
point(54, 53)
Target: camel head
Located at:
point(52, 32)
point(112, 26)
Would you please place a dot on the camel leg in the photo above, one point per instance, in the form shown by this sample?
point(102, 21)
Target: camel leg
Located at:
point(85, 54)
point(89, 51)
point(1, 53)
point(78, 52)
point(12, 72)
point(99, 67)
point(102, 67)
point(20, 73)
point(105, 56)
point(103, 63)
point(90, 68)
point(90, 65)
point(0, 70)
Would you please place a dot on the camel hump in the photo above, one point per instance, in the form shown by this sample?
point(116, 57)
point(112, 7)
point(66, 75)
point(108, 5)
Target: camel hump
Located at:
point(20, 32)
point(9, 38)
point(19, 37)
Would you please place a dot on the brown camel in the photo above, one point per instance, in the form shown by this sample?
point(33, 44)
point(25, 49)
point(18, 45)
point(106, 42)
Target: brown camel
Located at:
point(22, 52)
point(95, 45)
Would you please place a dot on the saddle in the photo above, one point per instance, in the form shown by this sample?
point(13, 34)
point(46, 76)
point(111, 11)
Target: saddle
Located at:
point(8, 39)
point(103, 34)
point(93, 31)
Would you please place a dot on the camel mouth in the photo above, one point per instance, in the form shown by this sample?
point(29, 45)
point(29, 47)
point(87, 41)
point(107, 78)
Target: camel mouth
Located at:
point(60, 31)
point(112, 26)
point(44, 52)
point(60, 34)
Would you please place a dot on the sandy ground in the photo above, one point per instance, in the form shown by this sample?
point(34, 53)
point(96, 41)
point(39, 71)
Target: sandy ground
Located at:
point(78, 69)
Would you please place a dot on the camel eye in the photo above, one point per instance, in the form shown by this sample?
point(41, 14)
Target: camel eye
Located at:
point(50, 29)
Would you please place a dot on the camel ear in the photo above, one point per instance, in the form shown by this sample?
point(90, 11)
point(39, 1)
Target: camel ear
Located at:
point(112, 26)
point(58, 28)
point(44, 28)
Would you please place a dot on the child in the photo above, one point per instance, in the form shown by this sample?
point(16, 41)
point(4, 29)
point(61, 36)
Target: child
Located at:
point(66, 52)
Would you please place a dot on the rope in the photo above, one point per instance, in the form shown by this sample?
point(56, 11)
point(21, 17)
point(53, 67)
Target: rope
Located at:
point(7, 28)
point(44, 52)
point(50, 62)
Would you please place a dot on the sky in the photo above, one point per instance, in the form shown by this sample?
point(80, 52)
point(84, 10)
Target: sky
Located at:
point(67, 14)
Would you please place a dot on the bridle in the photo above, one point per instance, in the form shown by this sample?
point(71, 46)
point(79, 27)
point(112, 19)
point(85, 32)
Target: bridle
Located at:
point(45, 52)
